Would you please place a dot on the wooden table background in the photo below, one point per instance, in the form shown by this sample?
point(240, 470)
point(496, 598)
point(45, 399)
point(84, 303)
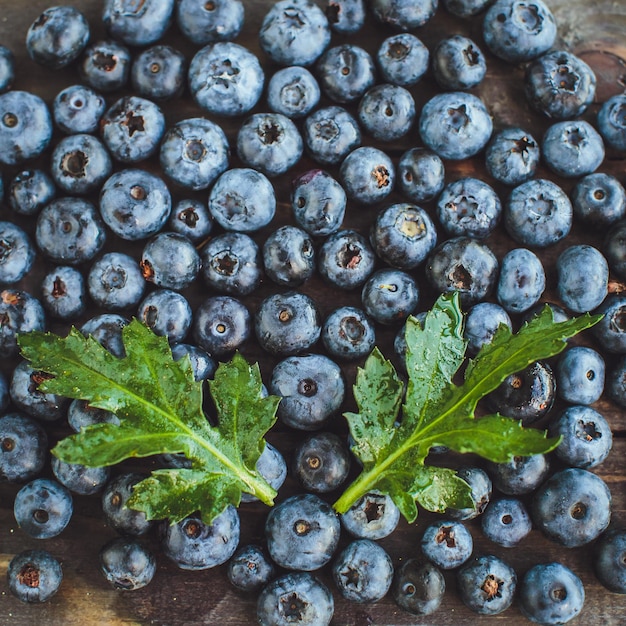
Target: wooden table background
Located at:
point(595, 30)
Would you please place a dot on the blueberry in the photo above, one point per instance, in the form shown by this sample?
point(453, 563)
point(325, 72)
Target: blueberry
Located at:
point(389, 295)
point(346, 259)
point(293, 92)
point(506, 521)
point(166, 313)
point(250, 569)
point(17, 253)
point(550, 593)
point(560, 85)
point(373, 516)
point(80, 414)
point(202, 363)
point(367, 175)
point(105, 65)
point(583, 275)
point(312, 390)
point(302, 532)
point(170, 260)
point(115, 282)
point(23, 447)
point(520, 475)
point(137, 24)
point(346, 16)
point(57, 37)
point(573, 507)
point(611, 122)
point(420, 175)
point(205, 22)
point(271, 465)
point(192, 219)
point(30, 190)
point(481, 323)
point(194, 152)
point(518, 31)
point(522, 280)
point(288, 256)
point(25, 127)
point(43, 508)
point(448, 544)
point(106, 329)
point(402, 59)
point(127, 564)
point(159, 73)
point(345, 73)
point(318, 202)
point(330, 134)
point(512, 156)
point(418, 587)
point(616, 382)
point(80, 479)
point(225, 79)
point(586, 437)
point(387, 112)
point(465, 8)
point(7, 69)
point(363, 571)
point(193, 545)
point(34, 575)
point(348, 333)
point(455, 125)
point(480, 492)
point(294, 32)
point(321, 462)
point(458, 63)
point(295, 598)
point(599, 200)
point(231, 263)
point(465, 265)
point(4, 393)
point(610, 331)
point(580, 375)
point(20, 313)
point(78, 109)
point(538, 213)
point(609, 560)
point(135, 204)
point(70, 231)
point(403, 14)
point(117, 514)
point(243, 200)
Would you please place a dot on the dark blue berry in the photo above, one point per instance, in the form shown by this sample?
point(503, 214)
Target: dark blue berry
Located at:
point(580, 375)
point(293, 91)
point(127, 564)
point(78, 109)
point(330, 134)
point(170, 260)
point(81, 414)
point(522, 280)
point(34, 576)
point(389, 296)
point(17, 253)
point(288, 256)
point(106, 329)
point(520, 475)
point(43, 508)
point(205, 22)
point(250, 569)
point(80, 479)
point(348, 333)
point(105, 65)
point(506, 521)
point(159, 73)
point(30, 190)
point(20, 312)
point(403, 14)
point(418, 587)
point(321, 462)
point(346, 16)
point(609, 560)
point(420, 175)
point(481, 323)
point(23, 448)
point(137, 24)
point(346, 259)
point(192, 219)
point(63, 293)
point(583, 277)
point(367, 175)
point(373, 516)
point(166, 313)
point(458, 63)
point(345, 73)
point(512, 156)
point(387, 112)
point(115, 282)
point(599, 199)
point(117, 514)
point(402, 59)
point(487, 584)
point(7, 69)
point(448, 544)
point(611, 122)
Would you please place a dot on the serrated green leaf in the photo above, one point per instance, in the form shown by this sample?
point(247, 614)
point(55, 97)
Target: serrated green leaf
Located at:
point(159, 404)
point(440, 488)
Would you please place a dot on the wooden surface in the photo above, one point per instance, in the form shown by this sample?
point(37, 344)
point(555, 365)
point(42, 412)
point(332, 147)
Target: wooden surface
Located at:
point(596, 30)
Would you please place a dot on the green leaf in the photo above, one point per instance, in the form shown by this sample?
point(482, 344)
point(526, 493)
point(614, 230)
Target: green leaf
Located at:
point(159, 404)
point(436, 411)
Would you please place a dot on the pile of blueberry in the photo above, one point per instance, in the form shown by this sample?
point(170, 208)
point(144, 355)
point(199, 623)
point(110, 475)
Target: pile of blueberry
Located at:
point(115, 205)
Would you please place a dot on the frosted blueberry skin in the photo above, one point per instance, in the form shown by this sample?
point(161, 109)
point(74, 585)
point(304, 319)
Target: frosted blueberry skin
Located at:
point(127, 564)
point(21, 312)
point(132, 129)
point(135, 204)
point(348, 333)
point(7, 68)
point(373, 516)
point(609, 560)
point(321, 462)
point(78, 109)
point(231, 263)
point(580, 373)
point(345, 16)
point(225, 79)
point(367, 175)
point(330, 134)
point(455, 125)
point(293, 91)
point(418, 587)
point(587, 437)
point(205, 22)
point(572, 148)
point(194, 152)
point(69, 231)
point(389, 296)
point(611, 122)
point(538, 213)
point(550, 593)
point(346, 259)
point(480, 491)
point(170, 260)
point(363, 571)
point(106, 329)
point(448, 544)
point(465, 265)
point(105, 65)
point(345, 73)
point(312, 389)
point(518, 31)
point(250, 568)
point(25, 127)
point(521, 475)
point(302, 532)
point(242, 200)
point(469, 207)
point(43, 508)
point(166, 313)
point(481, 323)
point(202, 365)
point(288, 256)
point(79, 479)
point(599, 200)
point(30, 190)
point(522, 280)
point(312, 599)
point(573, 507)
point(487, 585)
point(192, 219)
point(294, 32)
point(506, 521)
point(559, 85)
point(137, 24)
point(115, 282)
point(271, 465)
point(616, 382)
point(159, 73)
point(123, 519)
point(34, 576)
point(23, 447)
point(465, 8)
point(318, 203)
point(193, 545)
point(582, 278)
point(402, 59)
point(420, 175)
point(458, 63)
point(80, 414)
point(403, 14)
point(387, 112)
point(512, 156)
point(17, 253)
point(610, 331)
point(57, 37)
